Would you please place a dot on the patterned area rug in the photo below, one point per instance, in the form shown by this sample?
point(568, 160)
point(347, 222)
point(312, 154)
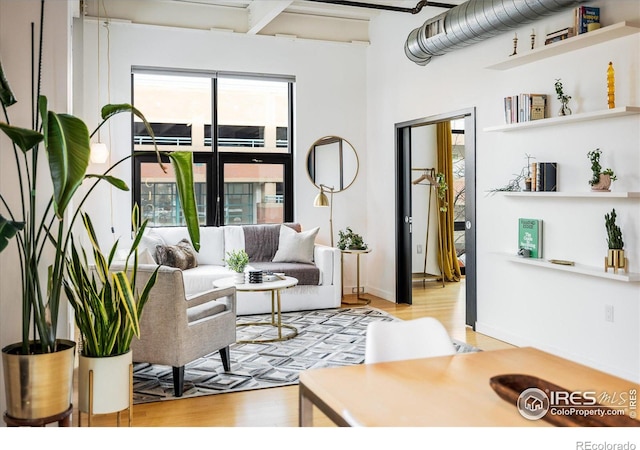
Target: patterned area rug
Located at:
point(326, 338)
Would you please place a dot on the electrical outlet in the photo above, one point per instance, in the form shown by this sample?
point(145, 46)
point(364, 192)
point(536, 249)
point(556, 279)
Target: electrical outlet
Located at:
point(419, 247)
point(354, 290)
point(608, 313)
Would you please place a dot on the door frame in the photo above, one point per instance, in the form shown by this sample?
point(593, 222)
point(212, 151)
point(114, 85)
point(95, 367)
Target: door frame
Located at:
point(404, 214)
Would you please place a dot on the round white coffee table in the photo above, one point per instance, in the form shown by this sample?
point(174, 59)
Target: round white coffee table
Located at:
point(275, 287)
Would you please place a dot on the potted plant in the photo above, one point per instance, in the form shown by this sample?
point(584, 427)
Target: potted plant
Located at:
point(348, 240)
point(237, 261)
point(600, 179)
point(108, 304)
point(39, 368)
point(564, 99)
point(615, 255)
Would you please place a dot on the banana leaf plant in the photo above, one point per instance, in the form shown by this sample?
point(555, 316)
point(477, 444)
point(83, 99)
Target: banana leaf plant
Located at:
point(65, 141)
point(107, 302)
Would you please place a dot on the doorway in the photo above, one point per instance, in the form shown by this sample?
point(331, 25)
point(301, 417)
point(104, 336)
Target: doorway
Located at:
point(412, 163)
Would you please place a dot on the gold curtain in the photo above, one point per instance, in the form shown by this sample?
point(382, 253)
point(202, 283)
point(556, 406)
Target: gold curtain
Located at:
point(451, 269)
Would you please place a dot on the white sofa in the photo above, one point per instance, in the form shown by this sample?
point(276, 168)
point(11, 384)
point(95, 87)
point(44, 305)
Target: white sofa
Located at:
point(215, 242)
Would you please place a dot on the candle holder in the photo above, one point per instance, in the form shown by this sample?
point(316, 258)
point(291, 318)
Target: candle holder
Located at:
point(515, 45)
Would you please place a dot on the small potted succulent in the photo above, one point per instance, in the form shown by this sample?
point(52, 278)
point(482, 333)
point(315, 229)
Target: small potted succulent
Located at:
point(615, 255)
point(237, 260)
point(600, 179)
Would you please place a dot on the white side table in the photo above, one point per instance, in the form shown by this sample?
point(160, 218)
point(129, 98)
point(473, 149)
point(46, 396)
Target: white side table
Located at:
point(359, 300)
point(267, 286)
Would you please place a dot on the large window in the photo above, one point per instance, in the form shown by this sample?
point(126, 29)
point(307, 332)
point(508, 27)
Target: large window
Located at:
point(239, 130)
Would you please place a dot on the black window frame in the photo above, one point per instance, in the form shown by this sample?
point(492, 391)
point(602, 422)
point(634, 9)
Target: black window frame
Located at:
point(215, 159)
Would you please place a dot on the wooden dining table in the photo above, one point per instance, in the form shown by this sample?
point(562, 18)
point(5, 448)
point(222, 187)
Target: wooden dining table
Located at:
point(452, 390)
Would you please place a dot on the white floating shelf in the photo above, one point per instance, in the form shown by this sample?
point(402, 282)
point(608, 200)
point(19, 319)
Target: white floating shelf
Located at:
point(631, 277)
point(584, 40)
point(573, 118)
point(589, 194)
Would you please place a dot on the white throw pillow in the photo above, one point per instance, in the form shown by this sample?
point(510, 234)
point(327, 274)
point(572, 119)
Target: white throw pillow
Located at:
point(150, 240)
point(294, 246)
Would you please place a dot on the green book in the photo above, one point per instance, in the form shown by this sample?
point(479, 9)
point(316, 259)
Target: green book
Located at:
point(530, 237)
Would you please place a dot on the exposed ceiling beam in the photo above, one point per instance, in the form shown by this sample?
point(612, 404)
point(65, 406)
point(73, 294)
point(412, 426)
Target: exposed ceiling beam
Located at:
point(261, 13)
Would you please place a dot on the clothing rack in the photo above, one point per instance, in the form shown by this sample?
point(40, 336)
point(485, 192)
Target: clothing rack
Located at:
point(428, 178)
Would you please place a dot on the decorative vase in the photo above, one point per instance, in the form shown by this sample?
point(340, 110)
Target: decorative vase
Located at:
point(112, 383)
point(616, 260)
point(564, 109)
point(38, 385)
point(603, 184)
point(238, 278)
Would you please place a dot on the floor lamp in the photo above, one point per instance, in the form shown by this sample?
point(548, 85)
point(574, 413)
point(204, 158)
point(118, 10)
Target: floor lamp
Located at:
point(321, 200)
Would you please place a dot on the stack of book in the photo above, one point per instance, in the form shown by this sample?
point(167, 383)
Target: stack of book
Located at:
point(525, 107)
point(559, 35)
point(544, 177)
point(584, 15)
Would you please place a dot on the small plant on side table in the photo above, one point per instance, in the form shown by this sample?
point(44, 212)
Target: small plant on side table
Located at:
point(348, 240)
point(615, 256)
point(237, 260)
point(600, 179)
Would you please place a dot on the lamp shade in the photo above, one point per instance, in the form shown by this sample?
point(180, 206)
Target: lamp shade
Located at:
point(99, 153)
point(321, 199)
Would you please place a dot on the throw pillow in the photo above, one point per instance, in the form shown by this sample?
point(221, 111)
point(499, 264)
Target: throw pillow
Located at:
point(182, 255)
point(294, 246)
point(150, 241)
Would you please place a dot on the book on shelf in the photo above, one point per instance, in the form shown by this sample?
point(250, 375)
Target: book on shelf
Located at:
point(559, 35)
point(544, 176)
point(537, 106)
point(584, 15)
point(530, 237)
point(548, 177)
point(525, 107)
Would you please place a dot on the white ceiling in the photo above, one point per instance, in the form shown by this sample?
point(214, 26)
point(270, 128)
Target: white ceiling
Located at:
point(306, 19)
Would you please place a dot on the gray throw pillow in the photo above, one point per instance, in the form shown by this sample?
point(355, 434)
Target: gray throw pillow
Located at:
point(294, 246)
point(182, 255)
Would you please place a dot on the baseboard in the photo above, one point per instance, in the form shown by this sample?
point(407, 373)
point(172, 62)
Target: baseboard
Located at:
point(520, 341)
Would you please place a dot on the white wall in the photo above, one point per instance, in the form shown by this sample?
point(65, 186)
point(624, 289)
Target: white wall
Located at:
point(15, 48)
point(555, 311)
point(330, 99)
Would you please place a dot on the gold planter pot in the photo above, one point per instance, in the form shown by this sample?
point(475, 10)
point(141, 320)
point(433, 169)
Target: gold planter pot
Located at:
point(38, 385)
point(616, 260)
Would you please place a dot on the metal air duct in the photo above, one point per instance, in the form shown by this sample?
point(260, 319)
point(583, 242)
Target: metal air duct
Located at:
point(475, 21)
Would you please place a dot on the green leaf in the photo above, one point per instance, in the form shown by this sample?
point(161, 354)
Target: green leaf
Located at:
point(111, 110)
point(8, 229)
point(128, 300)
point(24, 138)
point(115, 182)
point(6, 96)
point(182, 163)
point(68, 149)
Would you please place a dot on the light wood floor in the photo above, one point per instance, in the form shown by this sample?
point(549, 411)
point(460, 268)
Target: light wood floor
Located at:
point(278, 407)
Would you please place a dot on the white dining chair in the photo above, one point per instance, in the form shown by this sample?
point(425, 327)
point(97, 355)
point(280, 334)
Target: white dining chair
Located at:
point(407, 339)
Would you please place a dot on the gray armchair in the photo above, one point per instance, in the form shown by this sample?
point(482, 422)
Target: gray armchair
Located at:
point(175, 329)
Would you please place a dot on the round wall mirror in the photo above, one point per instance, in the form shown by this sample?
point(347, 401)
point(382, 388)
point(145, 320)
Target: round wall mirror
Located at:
point(332, 162)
